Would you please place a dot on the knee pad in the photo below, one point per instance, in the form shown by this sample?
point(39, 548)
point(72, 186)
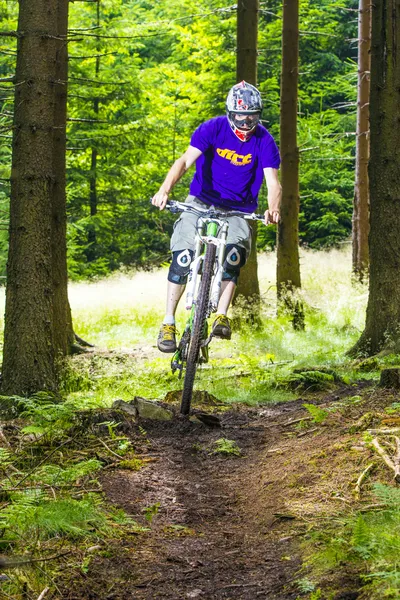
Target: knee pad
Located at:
point(235, 259)
point(180, 266)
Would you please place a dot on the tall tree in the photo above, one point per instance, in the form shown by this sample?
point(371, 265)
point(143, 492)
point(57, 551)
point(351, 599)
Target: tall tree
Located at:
point(361, 189)
point(246, 68)
point(288, 264)
point(63, 332)
point(91, 251)
point(29, 362)
point(383, 311)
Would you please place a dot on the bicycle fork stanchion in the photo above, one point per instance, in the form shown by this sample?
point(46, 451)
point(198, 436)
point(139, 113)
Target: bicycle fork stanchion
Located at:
point(217, 282)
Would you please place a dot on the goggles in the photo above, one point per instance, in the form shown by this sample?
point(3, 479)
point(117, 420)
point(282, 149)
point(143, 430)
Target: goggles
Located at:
point(244, 121)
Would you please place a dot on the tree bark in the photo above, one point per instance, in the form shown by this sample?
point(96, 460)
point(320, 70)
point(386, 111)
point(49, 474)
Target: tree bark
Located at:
point(361, 190)
point(91, 252)
point(383, 310)
point(63, 330)
point(288, 264)
point(246, 69)
point(28, 363)
point(288, 268)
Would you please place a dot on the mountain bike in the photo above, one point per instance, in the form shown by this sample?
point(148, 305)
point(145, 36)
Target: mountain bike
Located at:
point(203, 290)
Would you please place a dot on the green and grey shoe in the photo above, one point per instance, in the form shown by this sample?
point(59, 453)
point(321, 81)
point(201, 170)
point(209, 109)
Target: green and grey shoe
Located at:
point(222, 327)
point(166, 341)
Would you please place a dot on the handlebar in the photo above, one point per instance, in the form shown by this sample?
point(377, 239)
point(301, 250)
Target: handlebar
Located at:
point(176, 207)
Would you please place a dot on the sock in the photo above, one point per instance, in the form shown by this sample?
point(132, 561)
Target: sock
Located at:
point(169, 320)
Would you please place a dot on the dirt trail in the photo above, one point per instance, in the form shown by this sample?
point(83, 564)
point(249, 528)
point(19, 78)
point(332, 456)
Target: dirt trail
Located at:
point(209, 538)
point(227, 527)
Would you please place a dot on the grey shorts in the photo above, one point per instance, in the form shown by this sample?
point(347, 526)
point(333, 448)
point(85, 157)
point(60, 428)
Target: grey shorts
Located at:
point(184, 232)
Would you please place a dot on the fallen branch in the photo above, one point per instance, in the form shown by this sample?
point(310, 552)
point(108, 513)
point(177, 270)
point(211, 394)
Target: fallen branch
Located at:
point(44, 460)
point(12, 562)
point(391, 431)
point(386, 458)
point(293, 421)
point(42, 595)
point(109, 449)
point(308, 431)
point(4, 439)
point(362, 478)
point(396, 460)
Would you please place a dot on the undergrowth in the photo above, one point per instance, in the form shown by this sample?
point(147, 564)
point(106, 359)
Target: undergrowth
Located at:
point(51, 501)
point(52, 510)
point(368, 542)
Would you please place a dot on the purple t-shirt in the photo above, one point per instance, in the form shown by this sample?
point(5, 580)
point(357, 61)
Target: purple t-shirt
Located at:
point(229, 173)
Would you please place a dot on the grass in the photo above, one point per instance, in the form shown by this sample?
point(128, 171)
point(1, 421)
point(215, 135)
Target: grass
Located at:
point(121, 316)
point(368, 541)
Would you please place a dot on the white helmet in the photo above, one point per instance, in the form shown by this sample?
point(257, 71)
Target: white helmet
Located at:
point(243, 109)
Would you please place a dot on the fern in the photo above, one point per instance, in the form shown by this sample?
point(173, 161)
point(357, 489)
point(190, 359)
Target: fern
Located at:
point(5, 457)
point(53, 474)
point(361, 538)
point(387, 495)
point(45, 519)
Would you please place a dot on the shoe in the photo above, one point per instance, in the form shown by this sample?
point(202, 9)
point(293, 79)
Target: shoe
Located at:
point(166, 341)
point(222, 327)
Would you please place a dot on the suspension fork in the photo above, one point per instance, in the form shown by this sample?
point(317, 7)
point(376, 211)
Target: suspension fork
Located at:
point(200, 248)
point(217, 281)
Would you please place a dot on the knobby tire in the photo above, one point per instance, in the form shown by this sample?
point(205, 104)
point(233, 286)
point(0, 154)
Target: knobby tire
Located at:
point(198, 328)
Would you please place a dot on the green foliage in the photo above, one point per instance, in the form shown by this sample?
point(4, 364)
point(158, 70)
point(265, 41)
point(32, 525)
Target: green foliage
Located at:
point(305, 585)
point(57, 475)
point(142, 76)
point(227, 447)
point(33, 516)
point(318, 414)
point(151, 511)
point(370, 541)
point(311, 379)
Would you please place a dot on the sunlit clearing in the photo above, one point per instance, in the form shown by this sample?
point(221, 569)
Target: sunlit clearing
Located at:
point(122, 315)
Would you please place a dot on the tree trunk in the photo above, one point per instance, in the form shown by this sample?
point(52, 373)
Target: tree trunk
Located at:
point(28, 363)
point(383, 311)
point(63, 331)
point(288, 264)
point(91, 252)
point(246, 69)
point(361, 191)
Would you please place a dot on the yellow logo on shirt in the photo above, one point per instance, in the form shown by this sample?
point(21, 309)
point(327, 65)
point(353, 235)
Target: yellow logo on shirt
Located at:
point(235, 159)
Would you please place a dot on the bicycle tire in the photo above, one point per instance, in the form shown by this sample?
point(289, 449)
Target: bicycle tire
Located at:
point(198, 327)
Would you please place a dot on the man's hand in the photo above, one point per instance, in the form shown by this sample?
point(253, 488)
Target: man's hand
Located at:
point(272, 216)
point(160, 199)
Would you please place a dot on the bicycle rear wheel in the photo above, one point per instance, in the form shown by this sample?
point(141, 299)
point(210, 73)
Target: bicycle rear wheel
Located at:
point(198, 328)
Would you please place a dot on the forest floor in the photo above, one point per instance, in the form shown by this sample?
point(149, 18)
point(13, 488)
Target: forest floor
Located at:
point(112, 507)
point(227, 526)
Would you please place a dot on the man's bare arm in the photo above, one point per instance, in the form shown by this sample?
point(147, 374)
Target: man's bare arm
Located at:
point(178, 169)
point(274, 188)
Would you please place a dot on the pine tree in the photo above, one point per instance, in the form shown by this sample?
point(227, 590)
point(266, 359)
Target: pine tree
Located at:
point(383, 310)
point(361, 190)
point(288, 263)
point(246, 69)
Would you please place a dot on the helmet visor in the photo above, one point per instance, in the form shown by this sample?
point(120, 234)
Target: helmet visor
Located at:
point(244, 121)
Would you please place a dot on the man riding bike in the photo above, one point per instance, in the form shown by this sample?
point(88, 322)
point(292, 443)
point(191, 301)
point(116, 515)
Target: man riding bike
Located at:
point(232, 156)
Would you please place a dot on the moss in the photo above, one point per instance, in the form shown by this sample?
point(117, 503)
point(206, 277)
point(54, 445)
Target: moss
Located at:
point(132, 464)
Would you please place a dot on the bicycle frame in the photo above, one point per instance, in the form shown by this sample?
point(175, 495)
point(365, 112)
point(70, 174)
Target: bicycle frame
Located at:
point(202, 295)
point(209, 230)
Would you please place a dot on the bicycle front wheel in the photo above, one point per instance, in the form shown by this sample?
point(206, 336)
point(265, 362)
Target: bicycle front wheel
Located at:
point(198, 328)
